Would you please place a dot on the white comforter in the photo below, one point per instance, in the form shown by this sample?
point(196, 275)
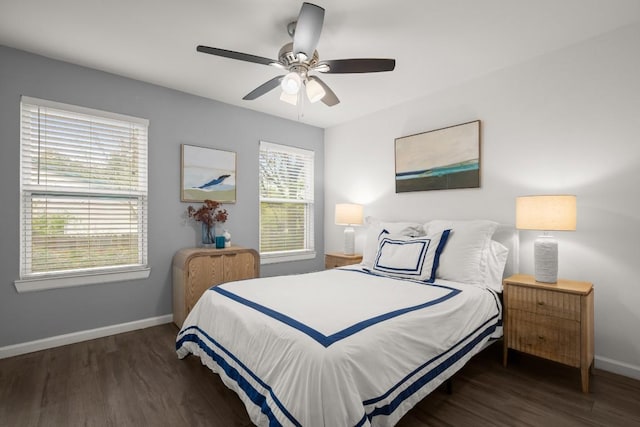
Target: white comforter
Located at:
point(339, 347)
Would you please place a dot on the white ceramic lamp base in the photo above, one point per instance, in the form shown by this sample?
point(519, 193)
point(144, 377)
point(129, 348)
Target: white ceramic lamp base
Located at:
point(545, 256)
point(349, 241)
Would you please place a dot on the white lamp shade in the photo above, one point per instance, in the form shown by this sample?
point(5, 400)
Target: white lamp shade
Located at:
point(348, 214)
point(315, 92)
point(291, 83)
point(289, 98)
point(546, 213)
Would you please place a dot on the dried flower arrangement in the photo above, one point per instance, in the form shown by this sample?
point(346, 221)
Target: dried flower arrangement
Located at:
point(209, 214)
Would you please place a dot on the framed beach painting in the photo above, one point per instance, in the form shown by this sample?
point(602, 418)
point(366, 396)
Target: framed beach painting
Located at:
point(440, 159)
point(207, 173)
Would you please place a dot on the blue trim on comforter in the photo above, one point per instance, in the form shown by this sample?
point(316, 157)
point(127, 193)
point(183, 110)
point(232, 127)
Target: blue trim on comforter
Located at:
point(324, 340)
point(260, 399)
point(387, 409)
point(489, 330)
point(256, 397)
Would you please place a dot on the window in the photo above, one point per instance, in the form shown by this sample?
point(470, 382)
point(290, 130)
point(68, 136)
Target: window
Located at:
point(286, 203)
point(83, 196)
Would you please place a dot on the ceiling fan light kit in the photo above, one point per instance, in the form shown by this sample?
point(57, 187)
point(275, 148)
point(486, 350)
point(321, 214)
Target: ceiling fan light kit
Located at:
point(315, 92)
point(289, 98)
point(300, 57)
point(291, 83)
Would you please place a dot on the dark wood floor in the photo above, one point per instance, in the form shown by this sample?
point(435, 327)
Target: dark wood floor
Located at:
point(135, 379)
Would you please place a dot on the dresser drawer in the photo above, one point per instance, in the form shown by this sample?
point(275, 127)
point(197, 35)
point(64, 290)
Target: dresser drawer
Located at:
point(544, 302)
point(552, 338)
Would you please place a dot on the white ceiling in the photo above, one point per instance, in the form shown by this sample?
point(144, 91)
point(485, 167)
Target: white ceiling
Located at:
point(436, 43)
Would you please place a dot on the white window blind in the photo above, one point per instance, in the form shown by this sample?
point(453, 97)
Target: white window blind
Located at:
point(286, 201)
point(83, 191)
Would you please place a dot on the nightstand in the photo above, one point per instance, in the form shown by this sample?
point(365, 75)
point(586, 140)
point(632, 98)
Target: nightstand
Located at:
point(550, 320)
point(333, 260)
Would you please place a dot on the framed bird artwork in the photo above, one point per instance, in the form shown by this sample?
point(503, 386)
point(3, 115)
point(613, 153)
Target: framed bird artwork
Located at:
point(207, 173)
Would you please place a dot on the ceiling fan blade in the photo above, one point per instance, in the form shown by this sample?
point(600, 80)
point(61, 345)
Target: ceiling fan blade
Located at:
point(263, 88)
point(308, 29)
point(329, 98)
point(236, 55)
point(359, 65)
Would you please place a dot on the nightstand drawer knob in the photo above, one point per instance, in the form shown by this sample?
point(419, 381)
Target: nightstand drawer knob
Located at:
point(540, 302)
point(541, 338)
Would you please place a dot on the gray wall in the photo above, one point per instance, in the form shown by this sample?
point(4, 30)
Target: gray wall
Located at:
point(175, 118)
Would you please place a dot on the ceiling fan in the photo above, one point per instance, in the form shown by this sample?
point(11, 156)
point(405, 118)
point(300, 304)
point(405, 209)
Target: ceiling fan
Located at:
point(300, 57)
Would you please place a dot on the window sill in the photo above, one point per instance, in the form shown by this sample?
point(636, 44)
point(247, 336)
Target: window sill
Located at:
point(44, 283)
point(275, 258)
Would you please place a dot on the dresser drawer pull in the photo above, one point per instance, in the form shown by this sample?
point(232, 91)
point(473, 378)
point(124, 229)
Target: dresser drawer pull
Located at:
point(541, 337)
point(540, 302)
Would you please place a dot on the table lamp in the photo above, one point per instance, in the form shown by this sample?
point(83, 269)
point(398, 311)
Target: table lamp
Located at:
point(546, 213)
point(349, 214)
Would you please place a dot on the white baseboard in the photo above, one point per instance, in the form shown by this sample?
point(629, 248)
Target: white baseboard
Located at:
point(74, 337)
point(617, 367)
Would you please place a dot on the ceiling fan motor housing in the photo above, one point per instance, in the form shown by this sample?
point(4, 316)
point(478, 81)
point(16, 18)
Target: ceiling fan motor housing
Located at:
point(288, 59)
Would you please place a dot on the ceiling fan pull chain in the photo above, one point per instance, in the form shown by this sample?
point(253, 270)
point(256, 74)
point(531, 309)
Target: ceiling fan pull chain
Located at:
point(300, 105)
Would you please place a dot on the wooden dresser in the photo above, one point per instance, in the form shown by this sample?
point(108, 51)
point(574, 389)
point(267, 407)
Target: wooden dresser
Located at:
point(333, 260)
point(550, 320)
point(197, 269)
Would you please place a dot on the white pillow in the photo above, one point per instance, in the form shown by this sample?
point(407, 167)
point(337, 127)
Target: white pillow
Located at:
point(464, 258)
point(410, 257)
point(376, 227)
point(496, 261)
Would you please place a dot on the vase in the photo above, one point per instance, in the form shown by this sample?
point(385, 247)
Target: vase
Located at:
point(208, 237)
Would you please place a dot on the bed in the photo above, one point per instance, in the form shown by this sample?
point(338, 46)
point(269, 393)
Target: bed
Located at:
point(358, 345)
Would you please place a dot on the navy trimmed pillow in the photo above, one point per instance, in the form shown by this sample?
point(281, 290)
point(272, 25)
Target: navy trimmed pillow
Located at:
point(410, 257)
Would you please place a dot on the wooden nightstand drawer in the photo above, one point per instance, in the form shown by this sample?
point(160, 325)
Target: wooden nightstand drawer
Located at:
point(553, 338)
point(334, 260)
point(545, 302)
